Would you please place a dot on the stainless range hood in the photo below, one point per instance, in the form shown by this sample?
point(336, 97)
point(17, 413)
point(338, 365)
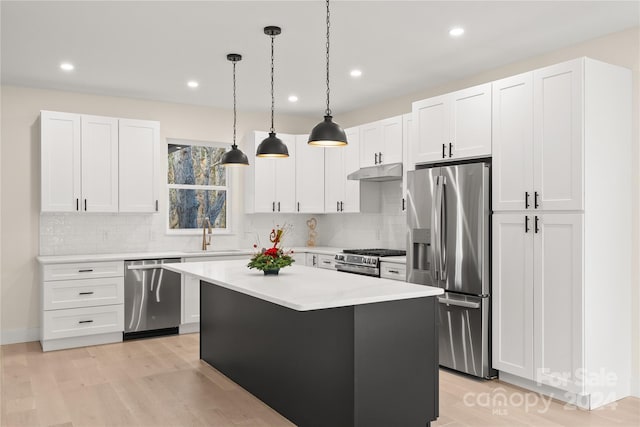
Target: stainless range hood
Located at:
point(380, 173)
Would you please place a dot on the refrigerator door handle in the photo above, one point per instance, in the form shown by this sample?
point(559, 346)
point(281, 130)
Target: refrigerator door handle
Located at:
point(435, 226)
point(457, 303)
point(442, 250)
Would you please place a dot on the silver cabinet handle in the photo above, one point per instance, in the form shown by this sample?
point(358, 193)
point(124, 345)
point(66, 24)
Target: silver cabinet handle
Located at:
point(394, 271)
point(157, 208)
point(278, 206)
point(458, 303)
point(380, 157)
point(88, 270)
point(375, 155)
point(85, 293)
point(85, 205)
point(273, 206)
point(86, 321)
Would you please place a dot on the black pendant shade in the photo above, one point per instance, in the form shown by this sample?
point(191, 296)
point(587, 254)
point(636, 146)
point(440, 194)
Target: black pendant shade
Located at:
point(234, 157)
point(327, 134)
point(272, 146)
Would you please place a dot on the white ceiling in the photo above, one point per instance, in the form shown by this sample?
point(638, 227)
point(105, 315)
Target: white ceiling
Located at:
point(150, 49)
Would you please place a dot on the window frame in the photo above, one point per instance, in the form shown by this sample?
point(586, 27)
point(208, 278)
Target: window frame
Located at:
point(168, 187)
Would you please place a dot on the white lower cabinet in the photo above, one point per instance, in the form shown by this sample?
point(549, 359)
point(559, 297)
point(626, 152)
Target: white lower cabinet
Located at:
point(83, 304)
point(321, 260)
point(393, 271)
point(538, 299)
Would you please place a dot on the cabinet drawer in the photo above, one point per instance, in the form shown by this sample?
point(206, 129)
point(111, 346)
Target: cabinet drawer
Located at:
point(76, 322)
point(82, 270)
point(327, 261)
point(393, 271)
point(82, 293)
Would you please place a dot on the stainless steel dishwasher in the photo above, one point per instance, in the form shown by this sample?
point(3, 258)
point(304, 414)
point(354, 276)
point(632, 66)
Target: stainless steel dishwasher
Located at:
point(151, 298)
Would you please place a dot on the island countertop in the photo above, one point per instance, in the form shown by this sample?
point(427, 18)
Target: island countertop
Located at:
point(303, 288)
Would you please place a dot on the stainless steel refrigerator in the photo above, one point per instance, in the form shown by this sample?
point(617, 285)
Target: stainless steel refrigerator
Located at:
point(449, 219)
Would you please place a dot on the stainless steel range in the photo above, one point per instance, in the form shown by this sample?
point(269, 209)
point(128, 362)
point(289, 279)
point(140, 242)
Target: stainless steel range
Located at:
point(364, 261)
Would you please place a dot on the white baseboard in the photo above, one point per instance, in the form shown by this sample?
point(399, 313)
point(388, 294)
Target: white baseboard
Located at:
point(14, 336)
point(189, 328)
point(635, 386)
point(84, 341)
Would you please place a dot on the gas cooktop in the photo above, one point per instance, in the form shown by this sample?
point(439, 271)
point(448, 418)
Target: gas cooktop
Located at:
point(375, 252)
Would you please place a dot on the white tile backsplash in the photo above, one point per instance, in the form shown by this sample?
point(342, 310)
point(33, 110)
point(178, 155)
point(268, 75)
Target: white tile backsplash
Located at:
point(69, 234)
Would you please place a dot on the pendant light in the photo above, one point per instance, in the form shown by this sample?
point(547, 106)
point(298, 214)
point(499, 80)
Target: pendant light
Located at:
point(272, 146)
point(234, 157)
point(327, 133)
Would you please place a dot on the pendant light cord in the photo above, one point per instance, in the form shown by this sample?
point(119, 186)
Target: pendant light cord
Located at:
point(234, 104)
point(272, 97)
point(328, 110)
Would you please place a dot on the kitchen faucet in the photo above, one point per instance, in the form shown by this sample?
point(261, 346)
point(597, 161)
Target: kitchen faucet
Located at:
point(206, 230)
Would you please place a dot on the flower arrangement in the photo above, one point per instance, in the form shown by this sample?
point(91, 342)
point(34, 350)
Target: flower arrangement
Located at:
point(271, 260)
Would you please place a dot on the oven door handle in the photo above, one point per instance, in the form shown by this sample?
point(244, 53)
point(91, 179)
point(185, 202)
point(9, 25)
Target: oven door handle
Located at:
point(458, 303)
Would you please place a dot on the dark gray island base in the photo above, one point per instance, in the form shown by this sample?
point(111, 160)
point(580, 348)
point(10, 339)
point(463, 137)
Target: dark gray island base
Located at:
point(362, 365)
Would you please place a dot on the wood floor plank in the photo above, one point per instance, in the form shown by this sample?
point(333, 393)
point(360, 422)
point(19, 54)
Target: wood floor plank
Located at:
point(162, 382)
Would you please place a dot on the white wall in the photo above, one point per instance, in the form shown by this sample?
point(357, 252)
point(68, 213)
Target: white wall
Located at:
point(622, 49)
point(71, 234)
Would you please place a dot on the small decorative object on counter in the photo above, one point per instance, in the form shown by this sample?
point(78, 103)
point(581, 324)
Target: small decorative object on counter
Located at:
point(312, 223)
point(271, 260)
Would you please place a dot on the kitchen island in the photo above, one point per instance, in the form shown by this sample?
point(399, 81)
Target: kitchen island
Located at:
point(321, 347)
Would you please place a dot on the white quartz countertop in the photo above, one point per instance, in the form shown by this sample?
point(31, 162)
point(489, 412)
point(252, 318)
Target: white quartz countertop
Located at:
point(303, 288)
point(62, 259)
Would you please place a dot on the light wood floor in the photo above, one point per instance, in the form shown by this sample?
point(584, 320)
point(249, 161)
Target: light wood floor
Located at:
point(161, 382)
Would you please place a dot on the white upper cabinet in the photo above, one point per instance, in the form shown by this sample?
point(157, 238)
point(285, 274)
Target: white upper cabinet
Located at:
point(453, 126)
point(139, 143)
point(538, 139)
point(351, 159)
point(271, 182)
point(60, 162)
point(558, 136)
point(471, 122)
point(381, 142)
point(341, 194)
point(99, 164)
point(513, 143)
point(431, 129)
point(407, 165)
point(309, 176)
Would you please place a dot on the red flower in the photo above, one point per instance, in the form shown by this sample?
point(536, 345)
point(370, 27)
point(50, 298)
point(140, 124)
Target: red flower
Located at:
point(255, 246)
point(272, 252)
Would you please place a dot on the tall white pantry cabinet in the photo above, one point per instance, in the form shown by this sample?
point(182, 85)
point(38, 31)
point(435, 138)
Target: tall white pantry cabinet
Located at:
point(561, 231)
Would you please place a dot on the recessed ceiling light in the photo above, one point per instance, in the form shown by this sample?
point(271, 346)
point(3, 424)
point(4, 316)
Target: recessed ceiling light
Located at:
point(293, 98)
point(67, 66)
point(356, 73)
point(193, 84)
point(456, 32)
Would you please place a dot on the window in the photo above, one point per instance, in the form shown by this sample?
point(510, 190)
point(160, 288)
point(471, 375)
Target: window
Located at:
point(198, 186)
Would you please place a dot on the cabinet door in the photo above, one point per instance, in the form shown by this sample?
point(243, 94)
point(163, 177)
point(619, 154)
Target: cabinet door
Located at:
point(392, 131)
point(351, 197)
point(407, 159)
point(558, 136)
point(334, 177)
point(191, 299)
point(431, 129)
point(99, 164)
point(370, 144)
point(471, 122)
point(512, 295)
point(139, 142)
point(285, 174)
point(264, 179)
point(309, 176)
point(513, 143)
point(557, 300)
point(60, 162)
